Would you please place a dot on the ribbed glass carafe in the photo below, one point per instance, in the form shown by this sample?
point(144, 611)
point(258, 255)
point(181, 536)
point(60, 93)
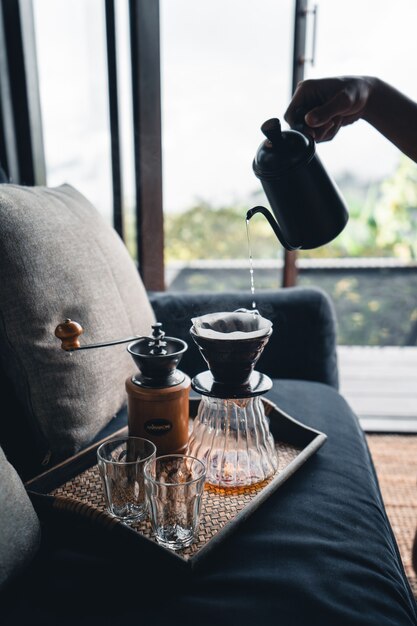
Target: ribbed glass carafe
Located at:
point(232, 437)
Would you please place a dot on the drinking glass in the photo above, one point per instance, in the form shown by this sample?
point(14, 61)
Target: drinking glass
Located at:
point(121, 463)
point(174, 485)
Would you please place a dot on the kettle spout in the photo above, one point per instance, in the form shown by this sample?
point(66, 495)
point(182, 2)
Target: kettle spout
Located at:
point(273, 223)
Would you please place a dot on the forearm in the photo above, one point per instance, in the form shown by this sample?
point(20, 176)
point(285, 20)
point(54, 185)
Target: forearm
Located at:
point(394, 115)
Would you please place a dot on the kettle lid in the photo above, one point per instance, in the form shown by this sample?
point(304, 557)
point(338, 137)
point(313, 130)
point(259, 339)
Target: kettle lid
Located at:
point(281, 150)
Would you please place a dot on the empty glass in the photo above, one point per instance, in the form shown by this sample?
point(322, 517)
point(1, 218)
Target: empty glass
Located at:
point(121, 463)
point(174, 485)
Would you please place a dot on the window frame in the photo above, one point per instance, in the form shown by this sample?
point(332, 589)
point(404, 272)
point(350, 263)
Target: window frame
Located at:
point(21, 139)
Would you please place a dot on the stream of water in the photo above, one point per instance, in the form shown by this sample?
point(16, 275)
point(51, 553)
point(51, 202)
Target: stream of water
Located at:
point(252, 281)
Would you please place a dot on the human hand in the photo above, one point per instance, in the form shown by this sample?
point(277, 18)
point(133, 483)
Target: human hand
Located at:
point(324, 105)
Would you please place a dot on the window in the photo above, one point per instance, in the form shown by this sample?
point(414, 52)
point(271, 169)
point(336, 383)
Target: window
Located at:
point(71, 51)
point(226, 67)
point(231, 60)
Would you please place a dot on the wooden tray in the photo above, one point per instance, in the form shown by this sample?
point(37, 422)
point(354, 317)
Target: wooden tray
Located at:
point(74, 488)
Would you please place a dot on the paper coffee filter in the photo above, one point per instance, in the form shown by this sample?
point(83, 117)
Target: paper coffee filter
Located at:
point(231, 325)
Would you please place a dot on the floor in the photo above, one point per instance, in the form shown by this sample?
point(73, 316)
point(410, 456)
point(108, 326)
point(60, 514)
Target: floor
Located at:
point(395, 461)
point(380, 384)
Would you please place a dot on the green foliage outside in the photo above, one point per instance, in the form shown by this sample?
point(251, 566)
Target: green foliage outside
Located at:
point(382, 217)
point(375, 307)
point(382, 222)
point(396, 212)
point(205, 232)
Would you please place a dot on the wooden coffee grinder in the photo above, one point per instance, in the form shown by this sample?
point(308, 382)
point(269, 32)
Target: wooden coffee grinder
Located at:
point(158, 394)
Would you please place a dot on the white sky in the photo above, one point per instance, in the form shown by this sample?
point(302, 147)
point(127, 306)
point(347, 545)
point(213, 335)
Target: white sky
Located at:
point(226, 67)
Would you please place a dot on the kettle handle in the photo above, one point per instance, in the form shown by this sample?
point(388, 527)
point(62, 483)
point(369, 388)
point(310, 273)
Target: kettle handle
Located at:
point(273, 223)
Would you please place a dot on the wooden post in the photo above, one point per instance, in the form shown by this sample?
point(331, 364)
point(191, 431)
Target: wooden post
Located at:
point(146, 97)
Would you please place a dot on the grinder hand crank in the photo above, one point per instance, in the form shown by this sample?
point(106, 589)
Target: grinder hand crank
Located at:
point(69, 332)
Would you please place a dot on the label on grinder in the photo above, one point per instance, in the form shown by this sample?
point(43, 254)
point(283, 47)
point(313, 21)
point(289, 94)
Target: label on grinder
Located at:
point(158, 427)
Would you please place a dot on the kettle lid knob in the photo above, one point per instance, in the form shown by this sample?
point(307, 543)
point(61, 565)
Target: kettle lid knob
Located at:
point(272, 130)
point(281, 151)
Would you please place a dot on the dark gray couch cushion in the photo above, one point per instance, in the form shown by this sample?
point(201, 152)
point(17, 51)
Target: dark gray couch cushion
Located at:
point(19, 524)
point(318, 552)
point(59, 259)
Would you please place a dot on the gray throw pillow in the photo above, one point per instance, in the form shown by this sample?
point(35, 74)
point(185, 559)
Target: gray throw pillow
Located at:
point(19, 524)
point(59, 259)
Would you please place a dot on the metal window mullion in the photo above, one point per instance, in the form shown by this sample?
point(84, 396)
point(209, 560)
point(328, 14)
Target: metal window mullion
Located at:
point(24, 88)
point(8, 149)
point(114, 116)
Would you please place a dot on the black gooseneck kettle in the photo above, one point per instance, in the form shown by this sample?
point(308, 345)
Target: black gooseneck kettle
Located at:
point(308, 207)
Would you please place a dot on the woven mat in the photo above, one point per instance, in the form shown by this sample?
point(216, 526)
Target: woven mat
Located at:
point(395, 460)
point(218, 507)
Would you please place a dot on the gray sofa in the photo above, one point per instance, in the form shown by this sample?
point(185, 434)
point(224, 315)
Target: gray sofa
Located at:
point(320, 550)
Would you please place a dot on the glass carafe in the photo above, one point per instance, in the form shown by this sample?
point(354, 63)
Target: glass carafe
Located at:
point(232, 437)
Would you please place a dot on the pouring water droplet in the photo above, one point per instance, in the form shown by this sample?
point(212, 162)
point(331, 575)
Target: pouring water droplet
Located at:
point(252, 282)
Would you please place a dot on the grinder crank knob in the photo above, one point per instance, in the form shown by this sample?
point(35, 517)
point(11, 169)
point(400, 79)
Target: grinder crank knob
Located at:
point(68, 332)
